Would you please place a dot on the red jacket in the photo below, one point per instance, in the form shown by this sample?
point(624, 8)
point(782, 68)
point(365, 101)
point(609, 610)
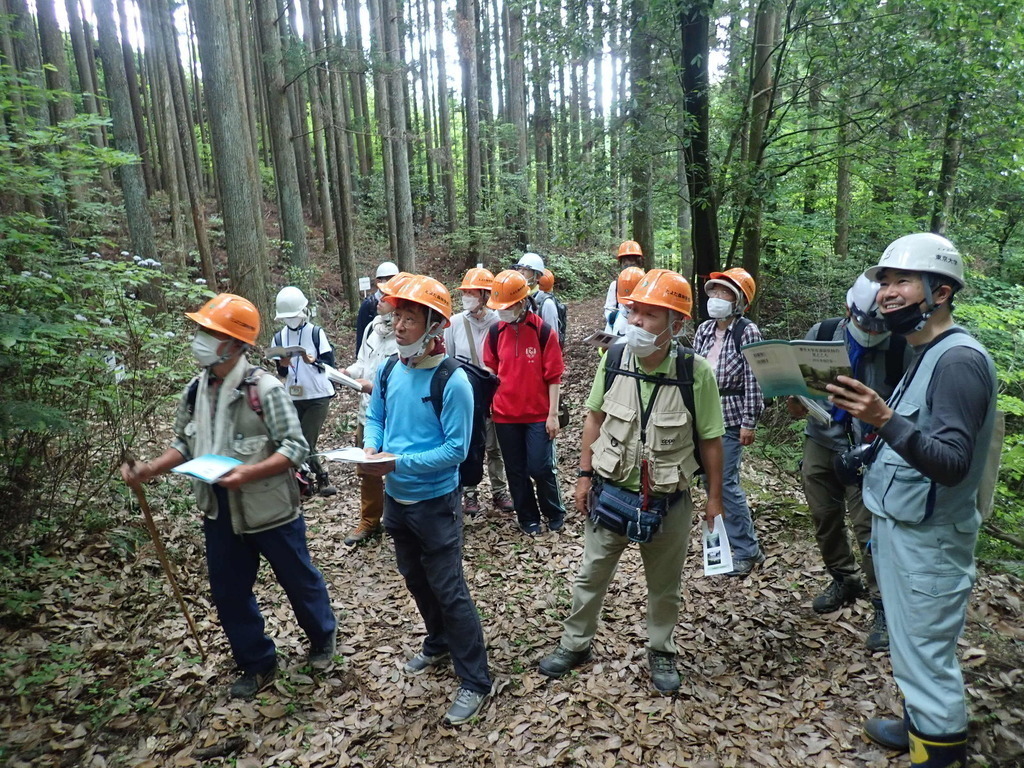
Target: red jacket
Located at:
point(525, 369)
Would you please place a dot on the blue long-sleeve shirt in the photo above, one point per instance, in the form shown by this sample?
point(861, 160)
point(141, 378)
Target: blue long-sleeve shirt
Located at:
point(429, 449)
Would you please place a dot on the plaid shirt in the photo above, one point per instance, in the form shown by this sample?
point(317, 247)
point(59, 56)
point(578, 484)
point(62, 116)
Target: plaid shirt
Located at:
point(279, 416)
point(733, 372)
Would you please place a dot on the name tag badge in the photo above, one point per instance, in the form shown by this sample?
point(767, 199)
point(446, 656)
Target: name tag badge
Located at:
point(295, 390)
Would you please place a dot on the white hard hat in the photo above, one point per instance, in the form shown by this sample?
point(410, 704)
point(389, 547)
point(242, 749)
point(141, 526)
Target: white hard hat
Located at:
point(921, 252)
point(290, 302)
point(387, 269)
point(531, 261)
point(861, 301)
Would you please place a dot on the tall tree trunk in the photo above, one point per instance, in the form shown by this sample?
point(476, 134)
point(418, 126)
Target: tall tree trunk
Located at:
point(357, 80)
point(183, 128)
point(465, 31)
point(639, 154)
point(695, 20)
point(843, 188)
point(87, 86)
point(422, 27)
point(446, 154)
point(312, 23)
point(138, 113)
point(289, 202)
point(541, 123)
point(763, 92)
point(405, 234)
point(298, 102)
point(341, 163)
point(517, 115)
point(245, 239)
point(381, 101)
point(133, 185)
point(62, 109)
point(951, 151)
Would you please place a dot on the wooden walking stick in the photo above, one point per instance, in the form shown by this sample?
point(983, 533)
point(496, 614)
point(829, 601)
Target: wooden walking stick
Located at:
point(161, 553)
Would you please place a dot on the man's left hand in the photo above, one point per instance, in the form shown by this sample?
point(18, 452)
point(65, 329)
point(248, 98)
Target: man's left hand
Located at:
point(551, 425)
point(378, 468)
point(237, 477)
point(859, 400)
point(746, 436)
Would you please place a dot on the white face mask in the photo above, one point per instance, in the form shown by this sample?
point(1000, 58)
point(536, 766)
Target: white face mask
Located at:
point(206, 349)
point(508, 315)
point(470, 303)
point(417, 347)
point(295, 322)
point(719, 308)
point(641, 343)
point(864, 338)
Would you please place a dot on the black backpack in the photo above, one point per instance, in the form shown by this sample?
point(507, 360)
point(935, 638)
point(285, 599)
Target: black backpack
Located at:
point(484, 384)
point(561, 309)
point(683, 380)
point(894, 355)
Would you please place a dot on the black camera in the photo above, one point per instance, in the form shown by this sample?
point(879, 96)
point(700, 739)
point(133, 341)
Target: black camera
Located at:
point(851, 464)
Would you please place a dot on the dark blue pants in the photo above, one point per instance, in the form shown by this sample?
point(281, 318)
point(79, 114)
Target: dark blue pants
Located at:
point(428, 550)
point(233, 562)
point(529, 453)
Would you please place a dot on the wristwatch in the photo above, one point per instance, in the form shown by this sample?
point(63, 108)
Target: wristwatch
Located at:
point(584, 473)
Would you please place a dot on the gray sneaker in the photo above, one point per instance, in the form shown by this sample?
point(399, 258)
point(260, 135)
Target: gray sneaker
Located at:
point(421, 662)
point(322, 655)
point(664, 675)
point(878, 638)
point(467, 706)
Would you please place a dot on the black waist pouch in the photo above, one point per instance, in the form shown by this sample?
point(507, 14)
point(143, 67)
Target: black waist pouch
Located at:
point(619, 511)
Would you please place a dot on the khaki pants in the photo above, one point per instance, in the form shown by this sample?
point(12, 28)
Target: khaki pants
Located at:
point(830, 503)
point(663, 561)
point(371, 493)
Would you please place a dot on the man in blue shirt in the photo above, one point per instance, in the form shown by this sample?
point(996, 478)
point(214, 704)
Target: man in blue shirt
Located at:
point(418, 451)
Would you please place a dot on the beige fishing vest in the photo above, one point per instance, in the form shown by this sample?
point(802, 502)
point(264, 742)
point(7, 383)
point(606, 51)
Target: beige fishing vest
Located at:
point(263, 504)
point(669, 447)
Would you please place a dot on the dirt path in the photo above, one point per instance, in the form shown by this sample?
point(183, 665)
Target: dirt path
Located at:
point(102, 672)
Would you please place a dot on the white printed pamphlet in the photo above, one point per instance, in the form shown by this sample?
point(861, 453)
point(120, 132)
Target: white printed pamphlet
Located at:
point(815, 410)
point(601, 339)
point(717, 552)
point(355, 455)
point(340, 378)
point(800, 368)
point(209, 468)
point(276, 353)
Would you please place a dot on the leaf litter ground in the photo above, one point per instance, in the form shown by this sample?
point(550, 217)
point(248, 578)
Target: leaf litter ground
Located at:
point(103, 672)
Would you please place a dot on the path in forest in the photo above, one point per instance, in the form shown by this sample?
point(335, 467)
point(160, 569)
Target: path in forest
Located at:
point(766, 682)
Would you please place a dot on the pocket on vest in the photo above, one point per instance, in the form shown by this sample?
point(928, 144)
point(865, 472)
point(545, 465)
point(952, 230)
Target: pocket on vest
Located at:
point(270, 501)
point(908, 496)
point(246, 447)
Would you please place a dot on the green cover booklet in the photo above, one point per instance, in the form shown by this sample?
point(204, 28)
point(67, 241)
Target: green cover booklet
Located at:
point(801, 368)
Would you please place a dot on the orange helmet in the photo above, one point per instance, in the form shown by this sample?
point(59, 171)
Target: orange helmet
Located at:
point(629, 248)
point(428, 292)
point(477, 279)
point(509, 287)
point(664, 288)
point(737, 277)
point(230, 314)
point(392, 285)
point(626, 282)
point(546, 281)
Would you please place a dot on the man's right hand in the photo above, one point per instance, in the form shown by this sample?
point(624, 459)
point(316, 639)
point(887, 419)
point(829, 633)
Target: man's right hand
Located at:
point(583, 486)
point(136, 473)
point(796, 409)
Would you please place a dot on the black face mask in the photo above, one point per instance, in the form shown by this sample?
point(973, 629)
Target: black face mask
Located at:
point(906, 320)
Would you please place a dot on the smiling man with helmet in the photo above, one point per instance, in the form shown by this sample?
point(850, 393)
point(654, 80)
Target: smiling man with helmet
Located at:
point(879, 360)
point(418, 451)
point(921, 485)
point(368, 308)
point(252, 511)
point(639, 449)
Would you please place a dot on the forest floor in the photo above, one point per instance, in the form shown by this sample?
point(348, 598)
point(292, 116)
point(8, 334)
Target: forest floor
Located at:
point(101, 669)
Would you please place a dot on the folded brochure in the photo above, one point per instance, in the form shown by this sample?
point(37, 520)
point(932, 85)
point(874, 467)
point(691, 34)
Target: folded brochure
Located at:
point(337, 376)
point(354, 455)
point(717, 551)
point(275, 353)
point(800, 368)
point(209, 468)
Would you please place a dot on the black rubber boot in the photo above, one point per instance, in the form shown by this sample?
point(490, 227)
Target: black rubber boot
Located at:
point(945, 751)
point(891, 734)
point(324, 487)
point(842, 591)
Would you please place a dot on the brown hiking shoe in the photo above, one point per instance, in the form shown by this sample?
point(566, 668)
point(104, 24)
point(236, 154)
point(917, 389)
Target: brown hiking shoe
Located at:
point(361, 534)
